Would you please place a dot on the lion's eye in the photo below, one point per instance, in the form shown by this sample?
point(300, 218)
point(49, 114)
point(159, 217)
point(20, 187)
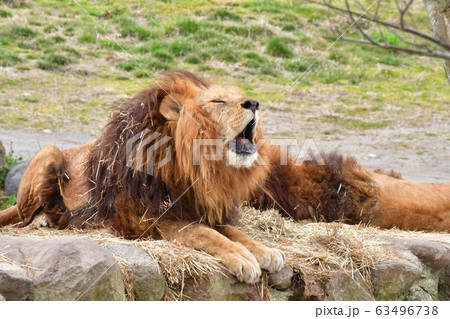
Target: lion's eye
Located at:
point(218, 101)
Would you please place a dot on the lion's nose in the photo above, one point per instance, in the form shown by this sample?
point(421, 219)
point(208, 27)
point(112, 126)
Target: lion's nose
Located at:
point(251, 104)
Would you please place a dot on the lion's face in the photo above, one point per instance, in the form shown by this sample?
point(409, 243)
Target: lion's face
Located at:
point(238, 121)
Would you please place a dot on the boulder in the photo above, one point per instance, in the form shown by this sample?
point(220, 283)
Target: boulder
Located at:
point(342, 286)
point(220, 286)
point(432, 254)
point(2, 155)
point(14, 282)
point(14, 176)
point(425, 288)
point(392, 279)
point(279, 295)
point(339, 286)
point(149, 281)
point(445, 284)
point(282, 279)
point(67, 268)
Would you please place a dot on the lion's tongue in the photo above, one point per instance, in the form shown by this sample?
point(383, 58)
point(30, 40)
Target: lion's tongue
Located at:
point(242, 140)
point(244, 145)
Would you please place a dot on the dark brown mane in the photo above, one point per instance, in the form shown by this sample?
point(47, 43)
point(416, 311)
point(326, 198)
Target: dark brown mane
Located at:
point(337, 190)
point(114, 186)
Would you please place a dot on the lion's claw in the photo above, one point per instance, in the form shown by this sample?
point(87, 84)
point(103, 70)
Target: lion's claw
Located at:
point(272, 260)
point(243, 265)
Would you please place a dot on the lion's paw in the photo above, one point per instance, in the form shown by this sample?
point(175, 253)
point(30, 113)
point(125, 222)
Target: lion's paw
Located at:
point(243, 265)
point(271, 259)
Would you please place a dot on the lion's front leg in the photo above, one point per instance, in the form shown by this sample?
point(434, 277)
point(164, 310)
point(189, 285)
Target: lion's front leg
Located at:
point(270, 259)
point(235, 256)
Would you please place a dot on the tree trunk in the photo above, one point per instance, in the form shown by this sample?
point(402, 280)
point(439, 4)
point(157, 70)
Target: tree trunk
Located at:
point(439, 13)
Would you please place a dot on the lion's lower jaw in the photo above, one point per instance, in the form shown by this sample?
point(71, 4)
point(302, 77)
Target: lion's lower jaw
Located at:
point(240, 160)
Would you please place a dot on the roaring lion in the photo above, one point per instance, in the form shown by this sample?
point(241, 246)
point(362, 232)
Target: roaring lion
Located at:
point(106, 183)
point(176, 162)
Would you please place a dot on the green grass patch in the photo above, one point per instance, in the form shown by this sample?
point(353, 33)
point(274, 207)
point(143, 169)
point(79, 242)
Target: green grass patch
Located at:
point(4, 41)
point(391, 60)
point(52, 61)
point(17, 31)
point(193, 59)
point(8, 201)
point(10, 160)
point(129, 28)
point(386, 36)
point(31, 100)
point(89, 36)
point(267, 6)
point(339, 56)
point(299, 65)
point(277, 46)
point(188, 26)
point(223, 14)
point(350, 123)
point(287, 21)
point(5, 13)
point(9, 58)
point(254, 60)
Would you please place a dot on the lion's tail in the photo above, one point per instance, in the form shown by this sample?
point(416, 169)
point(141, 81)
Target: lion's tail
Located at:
point(9, 216)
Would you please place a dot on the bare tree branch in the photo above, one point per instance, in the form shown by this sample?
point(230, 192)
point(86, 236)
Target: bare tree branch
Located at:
point(441, 55)
point(408, 38)
point(407, 29)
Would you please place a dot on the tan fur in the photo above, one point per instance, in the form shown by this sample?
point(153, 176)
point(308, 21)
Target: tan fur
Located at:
point(343, 190)
point(410, 205)
point(93, 186)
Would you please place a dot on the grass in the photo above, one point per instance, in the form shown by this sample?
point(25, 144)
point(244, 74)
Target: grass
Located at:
point(8, 58)
point(270, 42)
point(352, 123)
point(276, 46)
point(5, 13)
point(11, 200)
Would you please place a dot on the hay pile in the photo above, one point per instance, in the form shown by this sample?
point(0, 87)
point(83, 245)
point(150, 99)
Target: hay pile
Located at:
point(312, 249)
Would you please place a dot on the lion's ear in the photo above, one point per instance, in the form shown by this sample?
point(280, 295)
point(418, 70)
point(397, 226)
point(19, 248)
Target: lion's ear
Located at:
point(170, 108)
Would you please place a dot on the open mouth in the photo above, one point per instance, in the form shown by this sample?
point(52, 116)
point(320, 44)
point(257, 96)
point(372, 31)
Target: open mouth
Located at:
point(243, 143)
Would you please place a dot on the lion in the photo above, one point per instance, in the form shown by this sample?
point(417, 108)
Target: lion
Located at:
point(342, 190)
point(105, 183)
point(177, 160)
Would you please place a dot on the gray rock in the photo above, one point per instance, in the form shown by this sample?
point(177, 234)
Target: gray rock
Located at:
point(446, 282)
point(14, 176)
point(149, 281)
point(2, 298)
point(392, 279)
point(417, 293)
point(313, 290)
point(279, 295)
point(14, 282)
point(434, 255)
point(67, 268)
point(426, 288)
point(341, 286)
point(282, 279)
point(2, 155)
point(221, 287)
